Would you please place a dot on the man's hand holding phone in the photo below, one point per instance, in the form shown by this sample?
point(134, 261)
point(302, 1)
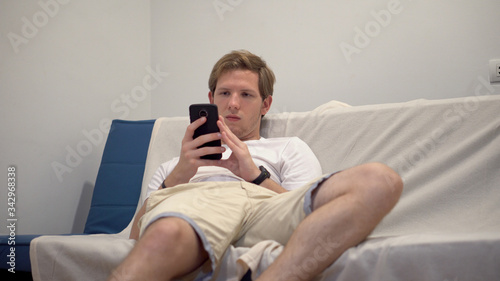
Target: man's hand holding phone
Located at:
point(210, 113)
point(192, 152)
point(196, 146)
point(240, 162)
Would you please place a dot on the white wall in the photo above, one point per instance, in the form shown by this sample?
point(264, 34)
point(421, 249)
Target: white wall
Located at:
point(426, 49)
point(58, 81)
point(81, 67)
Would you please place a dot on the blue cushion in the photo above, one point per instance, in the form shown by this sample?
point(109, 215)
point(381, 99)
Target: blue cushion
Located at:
point(119, 180)
point(116, 192)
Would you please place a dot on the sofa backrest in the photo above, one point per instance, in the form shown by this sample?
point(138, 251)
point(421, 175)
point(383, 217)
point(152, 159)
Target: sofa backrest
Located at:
point(447, 152)
point(119, 178)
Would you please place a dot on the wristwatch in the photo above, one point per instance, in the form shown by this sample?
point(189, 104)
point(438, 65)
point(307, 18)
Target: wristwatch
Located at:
point(264, 174)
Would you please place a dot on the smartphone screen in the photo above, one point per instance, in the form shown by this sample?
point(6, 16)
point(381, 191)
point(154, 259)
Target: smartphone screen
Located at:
point(210, 126)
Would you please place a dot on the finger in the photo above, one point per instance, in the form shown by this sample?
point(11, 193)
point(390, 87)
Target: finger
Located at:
point(207, 150)
point(222, 125)
point(193, 156)
point(225, 131)
point(188, 135)
point(227, 135)
point(199, 141)
point(232, 143)
point(190, 143)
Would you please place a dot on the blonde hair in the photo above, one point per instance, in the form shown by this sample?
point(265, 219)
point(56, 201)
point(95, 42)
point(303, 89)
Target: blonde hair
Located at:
point(244, 60)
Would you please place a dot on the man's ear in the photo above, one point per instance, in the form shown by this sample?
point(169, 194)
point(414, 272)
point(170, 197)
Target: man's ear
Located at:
point(211, 97)
point(266, 105)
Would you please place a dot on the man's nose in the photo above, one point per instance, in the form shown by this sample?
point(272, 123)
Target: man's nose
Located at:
point(234, 101)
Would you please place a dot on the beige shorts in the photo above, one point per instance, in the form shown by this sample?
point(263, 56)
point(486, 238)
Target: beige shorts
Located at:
point(238, 213)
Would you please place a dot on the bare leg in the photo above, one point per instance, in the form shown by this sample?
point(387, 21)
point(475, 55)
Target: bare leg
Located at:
point(346, 208)
point(168, 248)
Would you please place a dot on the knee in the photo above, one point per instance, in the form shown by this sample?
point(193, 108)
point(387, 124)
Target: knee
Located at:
point(382, 184)
point(165, 231)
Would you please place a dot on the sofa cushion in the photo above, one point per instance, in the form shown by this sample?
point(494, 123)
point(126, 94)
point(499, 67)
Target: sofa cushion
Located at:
point(119, 180)
point(116, 190)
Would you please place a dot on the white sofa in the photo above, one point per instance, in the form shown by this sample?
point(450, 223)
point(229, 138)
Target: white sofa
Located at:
point(446, 225)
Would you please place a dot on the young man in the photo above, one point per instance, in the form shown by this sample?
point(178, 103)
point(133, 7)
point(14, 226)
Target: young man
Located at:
point(200, 207)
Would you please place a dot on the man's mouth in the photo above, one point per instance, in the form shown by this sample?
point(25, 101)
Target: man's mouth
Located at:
point(233, 117)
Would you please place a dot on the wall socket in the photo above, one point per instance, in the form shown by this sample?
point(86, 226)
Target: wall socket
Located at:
point(494, 70)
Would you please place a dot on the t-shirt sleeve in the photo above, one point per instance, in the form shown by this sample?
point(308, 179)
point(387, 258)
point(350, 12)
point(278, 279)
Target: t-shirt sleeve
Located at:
point(160, 175)
point(299, 164)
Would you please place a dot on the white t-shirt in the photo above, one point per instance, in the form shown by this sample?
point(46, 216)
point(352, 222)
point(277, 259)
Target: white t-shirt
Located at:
point(290, 162)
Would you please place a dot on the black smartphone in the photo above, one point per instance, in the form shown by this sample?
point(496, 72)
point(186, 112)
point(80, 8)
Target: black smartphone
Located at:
point(210, 126)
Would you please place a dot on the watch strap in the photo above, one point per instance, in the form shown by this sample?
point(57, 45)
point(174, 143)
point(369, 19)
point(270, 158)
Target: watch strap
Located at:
point(264, 174)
